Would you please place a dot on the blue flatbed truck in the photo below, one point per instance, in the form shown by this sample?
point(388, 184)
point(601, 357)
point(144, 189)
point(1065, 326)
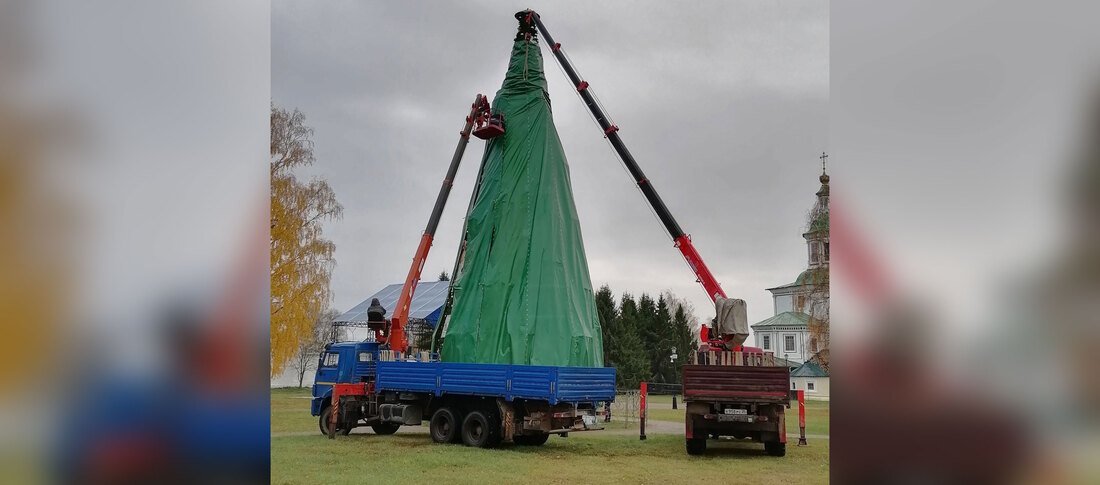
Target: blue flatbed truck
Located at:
point(483, 405)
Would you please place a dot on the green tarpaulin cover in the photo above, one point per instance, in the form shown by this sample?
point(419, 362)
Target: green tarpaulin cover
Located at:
point(523, 295)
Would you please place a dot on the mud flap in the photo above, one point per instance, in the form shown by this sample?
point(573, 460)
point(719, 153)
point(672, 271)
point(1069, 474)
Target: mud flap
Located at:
point(692, 409)
point(507, 420)
point(782, 427)
point(332, 416)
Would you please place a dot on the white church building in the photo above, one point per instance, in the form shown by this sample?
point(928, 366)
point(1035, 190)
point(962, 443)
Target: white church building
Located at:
point(787, 333)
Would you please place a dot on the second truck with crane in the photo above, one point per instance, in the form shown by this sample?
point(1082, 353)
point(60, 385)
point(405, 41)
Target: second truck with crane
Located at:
point(723, 397)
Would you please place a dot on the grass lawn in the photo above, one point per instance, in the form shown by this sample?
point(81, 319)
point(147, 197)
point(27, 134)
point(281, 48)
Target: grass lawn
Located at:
point(595, 457)
point(290, 411)
point(817, 417)
point(582, 458)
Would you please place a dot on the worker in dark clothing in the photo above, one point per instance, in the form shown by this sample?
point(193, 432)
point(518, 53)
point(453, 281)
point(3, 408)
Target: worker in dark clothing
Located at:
point(376, 316)
point(376, 312)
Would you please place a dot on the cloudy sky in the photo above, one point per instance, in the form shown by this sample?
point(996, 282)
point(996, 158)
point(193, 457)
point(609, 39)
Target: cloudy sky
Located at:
point(723, 104)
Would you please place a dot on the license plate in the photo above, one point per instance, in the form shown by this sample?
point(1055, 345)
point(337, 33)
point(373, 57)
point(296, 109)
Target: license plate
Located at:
point(736, 411)
point(739, 418)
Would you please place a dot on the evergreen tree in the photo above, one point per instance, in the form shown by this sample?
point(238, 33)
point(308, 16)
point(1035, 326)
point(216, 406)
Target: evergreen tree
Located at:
point(650, 333)
point(666, 341)
point(685, 330)
point(628, 354)
point(686, 343)
point(639, 336)
point(605, 310)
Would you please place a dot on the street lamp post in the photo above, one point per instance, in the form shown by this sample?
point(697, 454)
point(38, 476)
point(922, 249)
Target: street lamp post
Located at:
point(672, 359)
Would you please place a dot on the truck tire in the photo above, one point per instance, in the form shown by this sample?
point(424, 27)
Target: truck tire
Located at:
point(696, 446)
point(479, 430)
point(531, 439)
point(385, 428)
point(444, 426)
point(324, 419)
point(775, 448)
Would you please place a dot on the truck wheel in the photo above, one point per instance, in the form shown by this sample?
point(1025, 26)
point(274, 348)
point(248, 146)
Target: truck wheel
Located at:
point(444, 426)
point(480, 431)
point(531, 439)
point(775, 448)
point(696, 446)
point(385, 428)
point(325, 418)
point(322, 421)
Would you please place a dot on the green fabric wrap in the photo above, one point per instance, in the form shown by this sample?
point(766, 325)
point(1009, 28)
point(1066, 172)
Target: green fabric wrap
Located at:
point(524, 295)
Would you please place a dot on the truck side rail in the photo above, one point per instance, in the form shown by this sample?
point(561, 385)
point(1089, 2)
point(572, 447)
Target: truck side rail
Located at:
point(760, 384)
point(547, 383)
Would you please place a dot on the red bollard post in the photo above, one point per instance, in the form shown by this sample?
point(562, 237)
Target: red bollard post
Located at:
point(801, 417)
point(641, 412)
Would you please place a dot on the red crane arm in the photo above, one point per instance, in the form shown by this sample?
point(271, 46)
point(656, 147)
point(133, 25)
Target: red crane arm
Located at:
point(397, 339)
point(706, 278)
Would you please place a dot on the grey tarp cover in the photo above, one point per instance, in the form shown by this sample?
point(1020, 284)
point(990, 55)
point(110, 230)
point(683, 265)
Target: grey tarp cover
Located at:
point(732, 318)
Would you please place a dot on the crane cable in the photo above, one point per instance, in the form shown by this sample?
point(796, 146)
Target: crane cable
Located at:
point(592, 116)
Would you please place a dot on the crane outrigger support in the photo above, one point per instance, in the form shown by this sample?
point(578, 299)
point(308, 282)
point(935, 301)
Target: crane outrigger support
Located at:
point(530, 21)
point(486, 127)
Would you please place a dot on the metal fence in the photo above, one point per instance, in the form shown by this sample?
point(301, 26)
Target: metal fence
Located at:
point(664, 389)
point(626, 405)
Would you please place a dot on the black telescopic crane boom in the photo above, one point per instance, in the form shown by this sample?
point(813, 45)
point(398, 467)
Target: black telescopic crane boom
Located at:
point(530, 21)
point(610, 130)
point(452, 169)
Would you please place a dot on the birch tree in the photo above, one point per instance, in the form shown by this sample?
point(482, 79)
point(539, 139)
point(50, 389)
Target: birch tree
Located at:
point(301, 258)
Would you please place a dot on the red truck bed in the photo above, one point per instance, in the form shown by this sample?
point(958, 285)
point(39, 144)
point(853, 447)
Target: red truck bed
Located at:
point(737, 401)
point(737, 383)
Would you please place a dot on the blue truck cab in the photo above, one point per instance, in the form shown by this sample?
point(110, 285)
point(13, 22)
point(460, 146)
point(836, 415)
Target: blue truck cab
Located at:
point(342, 362)
point(360, 384)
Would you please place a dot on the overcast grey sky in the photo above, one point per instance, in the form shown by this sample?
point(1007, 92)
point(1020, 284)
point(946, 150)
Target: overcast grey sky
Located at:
point(723, 104)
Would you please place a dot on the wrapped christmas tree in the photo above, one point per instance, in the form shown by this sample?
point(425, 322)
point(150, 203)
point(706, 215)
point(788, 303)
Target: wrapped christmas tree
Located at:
point(523, 294)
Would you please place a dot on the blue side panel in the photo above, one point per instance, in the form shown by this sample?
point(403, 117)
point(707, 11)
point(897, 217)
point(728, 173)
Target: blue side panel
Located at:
point(407, 376)
point(585, 384)
point(474, 379)
point(364, 368)
point(532, 381)
point(552, 384)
